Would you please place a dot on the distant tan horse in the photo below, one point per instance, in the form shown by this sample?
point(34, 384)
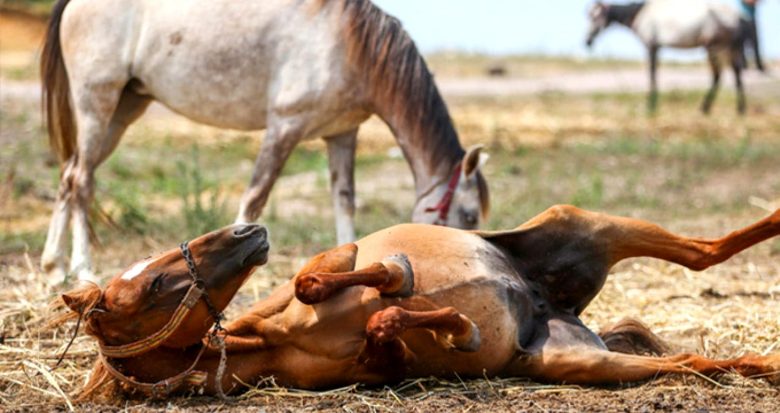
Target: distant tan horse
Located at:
point(299, 69)
point(408, 301)
point(717, 27)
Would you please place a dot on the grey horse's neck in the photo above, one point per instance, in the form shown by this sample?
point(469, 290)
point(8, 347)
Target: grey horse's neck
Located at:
point(401, 89)
point(624, 13)
point(429, 143)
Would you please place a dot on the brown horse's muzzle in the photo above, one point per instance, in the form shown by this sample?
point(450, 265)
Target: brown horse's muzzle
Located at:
point(254, 243)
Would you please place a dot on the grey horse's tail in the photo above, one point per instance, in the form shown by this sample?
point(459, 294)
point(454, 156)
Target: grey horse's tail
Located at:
point(55, 90)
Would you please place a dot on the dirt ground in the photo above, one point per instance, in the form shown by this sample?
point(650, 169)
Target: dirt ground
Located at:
point(557, 131)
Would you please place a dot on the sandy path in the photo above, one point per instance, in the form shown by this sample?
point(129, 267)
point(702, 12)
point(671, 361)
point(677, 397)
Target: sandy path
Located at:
point(618, 80)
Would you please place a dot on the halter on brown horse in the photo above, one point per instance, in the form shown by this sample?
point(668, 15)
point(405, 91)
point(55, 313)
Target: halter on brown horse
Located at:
point(424, 300)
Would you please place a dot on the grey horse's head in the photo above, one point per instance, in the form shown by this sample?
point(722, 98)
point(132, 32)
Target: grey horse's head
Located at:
point(598, 21)
point(462, 201)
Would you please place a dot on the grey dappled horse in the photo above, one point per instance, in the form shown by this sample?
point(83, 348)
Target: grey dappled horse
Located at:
point(299, 69)
point(717, 27)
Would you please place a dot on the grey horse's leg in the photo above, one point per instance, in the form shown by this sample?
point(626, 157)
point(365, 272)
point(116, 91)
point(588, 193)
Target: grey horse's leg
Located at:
point(736, 65)
point(341, 161)
point(53, 257)
point(652, 100)
point(712, 56)
point(279, 142)
point(753, 36)
point(101, 122)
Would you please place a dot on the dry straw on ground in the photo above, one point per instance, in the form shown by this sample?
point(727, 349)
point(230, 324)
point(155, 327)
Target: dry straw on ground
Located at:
point(722, 312)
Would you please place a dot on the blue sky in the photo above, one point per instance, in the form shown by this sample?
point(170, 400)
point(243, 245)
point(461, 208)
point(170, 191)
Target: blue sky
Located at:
point(542, 26)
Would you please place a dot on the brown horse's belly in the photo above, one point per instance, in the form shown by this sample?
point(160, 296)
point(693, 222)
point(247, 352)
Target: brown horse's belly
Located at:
point(458, 269)
point(322, 342)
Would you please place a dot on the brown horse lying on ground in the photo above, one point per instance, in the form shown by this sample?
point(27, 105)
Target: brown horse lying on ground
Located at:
point(425, 300)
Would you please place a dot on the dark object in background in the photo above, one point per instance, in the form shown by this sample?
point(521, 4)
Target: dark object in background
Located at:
point(496, 70)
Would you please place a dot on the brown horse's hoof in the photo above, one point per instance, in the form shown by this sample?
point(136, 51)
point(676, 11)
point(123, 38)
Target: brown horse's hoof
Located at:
point(469, 342)
point(395, 263)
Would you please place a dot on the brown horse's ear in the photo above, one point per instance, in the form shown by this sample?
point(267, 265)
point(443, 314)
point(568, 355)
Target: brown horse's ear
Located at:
point(84, 298)
point(473, 160)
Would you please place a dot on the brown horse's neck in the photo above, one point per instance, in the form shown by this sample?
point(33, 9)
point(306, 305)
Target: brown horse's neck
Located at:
point(401, 89)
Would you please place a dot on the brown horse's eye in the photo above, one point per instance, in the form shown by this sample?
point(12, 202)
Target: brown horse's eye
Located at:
point(157, 284)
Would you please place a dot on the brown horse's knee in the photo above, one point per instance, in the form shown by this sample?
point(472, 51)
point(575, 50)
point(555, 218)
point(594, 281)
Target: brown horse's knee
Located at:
point(393, 277)
point(386, 325)
point(310, 289)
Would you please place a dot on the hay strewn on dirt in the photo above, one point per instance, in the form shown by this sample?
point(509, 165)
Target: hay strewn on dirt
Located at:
point(722, 312)
point(695, 175)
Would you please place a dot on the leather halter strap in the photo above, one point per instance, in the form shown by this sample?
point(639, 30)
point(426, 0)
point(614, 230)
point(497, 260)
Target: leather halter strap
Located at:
point(196, 292)
point(445, 203)
point(142, 346)
point(164, 387)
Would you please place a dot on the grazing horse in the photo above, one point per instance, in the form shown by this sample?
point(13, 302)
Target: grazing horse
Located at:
point(688, 24)
point(298, 69)
point(411, 300)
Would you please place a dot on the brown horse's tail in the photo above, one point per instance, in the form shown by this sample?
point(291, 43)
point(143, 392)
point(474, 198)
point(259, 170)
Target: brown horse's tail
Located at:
point(55, 90)
point(630, 336)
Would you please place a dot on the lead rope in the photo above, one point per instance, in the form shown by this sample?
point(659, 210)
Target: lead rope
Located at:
point(222, 364)
point(213, 336)
point(216, 315)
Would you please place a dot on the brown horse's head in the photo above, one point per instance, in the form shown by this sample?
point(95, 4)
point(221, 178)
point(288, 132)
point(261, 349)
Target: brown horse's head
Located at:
point(140, 301)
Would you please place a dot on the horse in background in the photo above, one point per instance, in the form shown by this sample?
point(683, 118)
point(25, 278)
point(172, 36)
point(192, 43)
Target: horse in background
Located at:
point(719, 28)
point(298, 69)
point(749, 11)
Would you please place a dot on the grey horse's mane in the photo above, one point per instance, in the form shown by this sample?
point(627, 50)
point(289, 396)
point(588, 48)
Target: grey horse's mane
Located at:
point(399, 83)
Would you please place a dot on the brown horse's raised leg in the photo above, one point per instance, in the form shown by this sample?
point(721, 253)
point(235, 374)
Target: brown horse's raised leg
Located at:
point(453, 330)
point(634, 238)
point(332, 271)
point(592, 235)
point(568, 251)
point(592, 366)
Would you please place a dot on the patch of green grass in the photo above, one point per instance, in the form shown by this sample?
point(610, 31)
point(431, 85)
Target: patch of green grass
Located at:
point(705, 150)
point(20, 242)
point(19, 73)
point(590, 192)
point(305, 160)
point(38, 7)
point(200, 215)
point(308, 233)
point(130, 212)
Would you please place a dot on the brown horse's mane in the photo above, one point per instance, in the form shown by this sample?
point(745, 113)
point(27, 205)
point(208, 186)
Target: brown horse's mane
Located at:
point(399, 84)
